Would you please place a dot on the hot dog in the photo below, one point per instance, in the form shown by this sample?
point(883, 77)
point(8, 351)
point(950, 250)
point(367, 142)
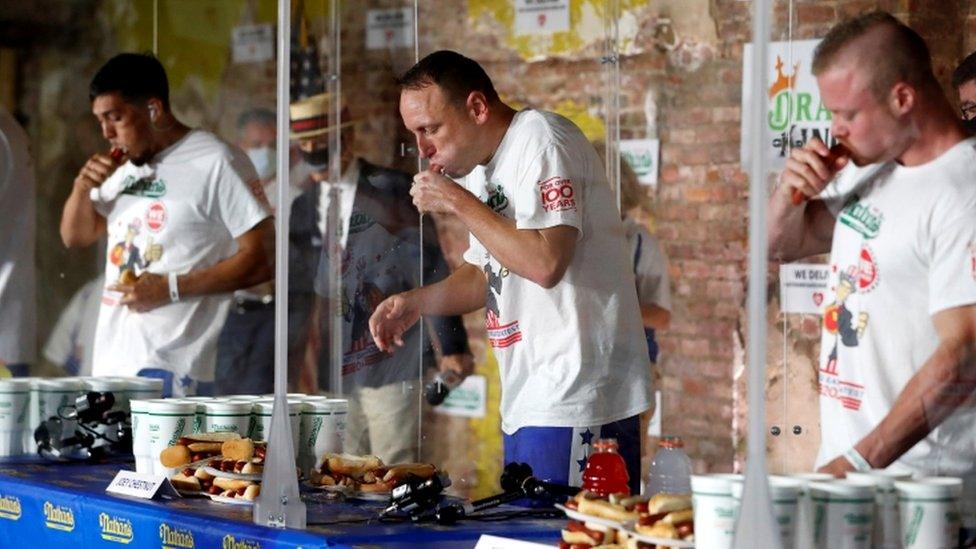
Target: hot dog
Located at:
point(194, 448)
point(835, 152)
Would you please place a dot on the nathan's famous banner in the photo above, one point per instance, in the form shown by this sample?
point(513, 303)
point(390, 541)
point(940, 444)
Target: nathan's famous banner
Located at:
point(794, 113)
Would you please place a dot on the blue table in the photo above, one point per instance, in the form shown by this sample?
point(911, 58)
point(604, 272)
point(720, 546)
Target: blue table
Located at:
point(65, 505)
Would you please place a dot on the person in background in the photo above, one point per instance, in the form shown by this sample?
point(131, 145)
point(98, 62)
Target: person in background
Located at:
point(69, 348)
point(375, 234)
point(17, 227)
point(548, 261)
point(186, 221)
point(964, 81)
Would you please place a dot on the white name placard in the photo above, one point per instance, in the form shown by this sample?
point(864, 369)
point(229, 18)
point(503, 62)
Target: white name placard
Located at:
point(137, 485)
point(803, 287)
point(496, 542)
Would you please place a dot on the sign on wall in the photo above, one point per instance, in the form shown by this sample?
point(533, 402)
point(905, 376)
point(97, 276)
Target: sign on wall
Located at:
point(391, 28)
point(803, 287)
point(642, 156)
point(541, 16)
point(794, 112)
point(469, 399)
point(253, 43)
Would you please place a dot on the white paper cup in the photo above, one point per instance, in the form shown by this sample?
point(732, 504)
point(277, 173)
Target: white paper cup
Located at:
point(262, 424)
point(119, 388)
point(784, 492)
point(14, 415)
point(139, 410)
point(228, 415)
point(323, 430)
point(33, 416)
point(929, 512)
point(715, 509)
point(886, 520)
point(167, 421)
point(804, 510)
point(199, 419)
point(142, 388)
point(843, 514)
point(54, 393)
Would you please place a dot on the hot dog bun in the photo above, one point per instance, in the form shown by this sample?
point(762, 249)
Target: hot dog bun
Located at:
point(605, 509)
point(348, 464)
point(175, 456)
point(403, 470)
point(240, 449)
point(666, 503)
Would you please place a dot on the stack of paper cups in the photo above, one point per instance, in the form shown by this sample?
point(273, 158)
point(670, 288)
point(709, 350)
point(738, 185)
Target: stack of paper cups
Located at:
point(33, 416)
point(843, 514)
point(228, 416)
point(14, 415)
point(262, 414)
point(804, 507)
point(929, 511)
point(143, 388)
point(199, 419)
point(715, 509)
point(323, 430)
point(140, 435)
point(785, 492)
point(54, 393)
point(168, 420)
point(886, 529)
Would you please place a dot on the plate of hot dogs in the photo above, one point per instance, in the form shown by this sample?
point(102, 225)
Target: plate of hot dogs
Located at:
point(364, 477)
point(664, 520)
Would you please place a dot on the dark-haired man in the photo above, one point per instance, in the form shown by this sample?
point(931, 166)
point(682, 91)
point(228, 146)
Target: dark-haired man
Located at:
point(900, 225)
point(548, 257)
point(185, 218)
point(964, 80)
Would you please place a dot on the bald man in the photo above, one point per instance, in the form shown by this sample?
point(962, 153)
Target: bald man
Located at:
point(896, 209)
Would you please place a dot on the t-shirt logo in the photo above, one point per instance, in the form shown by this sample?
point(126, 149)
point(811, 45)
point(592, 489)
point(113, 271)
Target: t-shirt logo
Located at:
point(556, 194)
point(156, 217)
point(863, 219)
point(146, 186)
point(496, 200)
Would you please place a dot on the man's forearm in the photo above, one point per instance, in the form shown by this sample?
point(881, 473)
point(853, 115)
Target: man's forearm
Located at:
point(460, 293)
point(940, 388)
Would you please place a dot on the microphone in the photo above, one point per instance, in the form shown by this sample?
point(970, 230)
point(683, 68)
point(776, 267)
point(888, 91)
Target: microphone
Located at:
point(437, 390)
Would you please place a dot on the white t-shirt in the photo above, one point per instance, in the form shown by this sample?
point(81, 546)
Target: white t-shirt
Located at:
point(70, 343)
point(184, 217)
point(17, 225)
point(650, 266)
point(574, 355)
point(904, 248)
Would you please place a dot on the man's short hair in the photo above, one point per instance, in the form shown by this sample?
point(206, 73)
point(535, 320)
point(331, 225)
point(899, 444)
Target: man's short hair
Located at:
point(904, 57)
point(134, 76)
point(456, 74)
point(257, 115)
point(965, 72)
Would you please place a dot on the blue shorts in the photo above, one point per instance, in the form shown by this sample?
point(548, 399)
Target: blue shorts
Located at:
point(558, 454)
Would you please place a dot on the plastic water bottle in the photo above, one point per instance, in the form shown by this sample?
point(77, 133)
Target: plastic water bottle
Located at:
point(670, 470)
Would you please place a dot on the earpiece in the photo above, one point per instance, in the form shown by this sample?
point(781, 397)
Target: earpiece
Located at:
point(152, 113)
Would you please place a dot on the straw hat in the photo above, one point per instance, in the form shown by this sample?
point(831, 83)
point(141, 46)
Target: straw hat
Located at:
point(311, 116)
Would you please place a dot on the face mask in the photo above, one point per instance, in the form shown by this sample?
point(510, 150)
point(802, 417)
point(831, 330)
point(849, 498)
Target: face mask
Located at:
point(263, 159)
point(970, 126)
point(319, 158)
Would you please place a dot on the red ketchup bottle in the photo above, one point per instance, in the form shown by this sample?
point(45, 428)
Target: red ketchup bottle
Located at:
point(606, 471)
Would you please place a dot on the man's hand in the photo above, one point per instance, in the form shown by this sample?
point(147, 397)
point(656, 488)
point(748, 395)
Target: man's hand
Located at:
point(148, 292)
point(433, 192)
point(810, 169)
point(461, 364)
point(98, 168)
point(394, 316)
point(839, 467)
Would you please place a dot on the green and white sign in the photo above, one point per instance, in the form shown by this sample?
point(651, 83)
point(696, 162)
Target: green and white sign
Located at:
point(467, 399)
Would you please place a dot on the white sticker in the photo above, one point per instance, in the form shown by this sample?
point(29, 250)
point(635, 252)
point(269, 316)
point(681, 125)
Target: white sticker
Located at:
point(142, 486)
point(496, 542)
point(392, 28)
point(467, 399)
point(253, 43)
point(642, 157)
point(803, 288)
point(541, 16)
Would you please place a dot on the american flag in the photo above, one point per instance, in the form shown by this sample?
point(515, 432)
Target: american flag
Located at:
point(306, 73)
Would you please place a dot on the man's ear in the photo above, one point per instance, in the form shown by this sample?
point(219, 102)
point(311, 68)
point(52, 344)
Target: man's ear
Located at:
point(901, 99)
point(477, 107)
point(155, 107)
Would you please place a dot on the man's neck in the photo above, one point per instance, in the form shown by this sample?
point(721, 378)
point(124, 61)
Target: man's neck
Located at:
point(937, 130)
point(175, 130)
point(497, 130)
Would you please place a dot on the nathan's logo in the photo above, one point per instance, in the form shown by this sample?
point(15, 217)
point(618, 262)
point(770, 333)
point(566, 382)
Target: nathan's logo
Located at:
point(146, 186)
point(115, 528)
point(232, 543)
point(863, 219)
point(787, 105)
point(496, 200)
point(10, 508)
point(178, 432)
point(58, 517)
point(642, 162)
point(175, 538)
point(314, 432)
point(359, 222)
point(557, 194)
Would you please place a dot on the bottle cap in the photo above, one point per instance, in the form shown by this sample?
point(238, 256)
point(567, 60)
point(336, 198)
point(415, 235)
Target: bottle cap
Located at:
point(671, 442)
point(606, 445)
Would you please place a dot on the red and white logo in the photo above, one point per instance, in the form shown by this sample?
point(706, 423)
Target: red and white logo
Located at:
point(557, 194)
point(156, 217)
point(867, 277)
point(817, 298)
